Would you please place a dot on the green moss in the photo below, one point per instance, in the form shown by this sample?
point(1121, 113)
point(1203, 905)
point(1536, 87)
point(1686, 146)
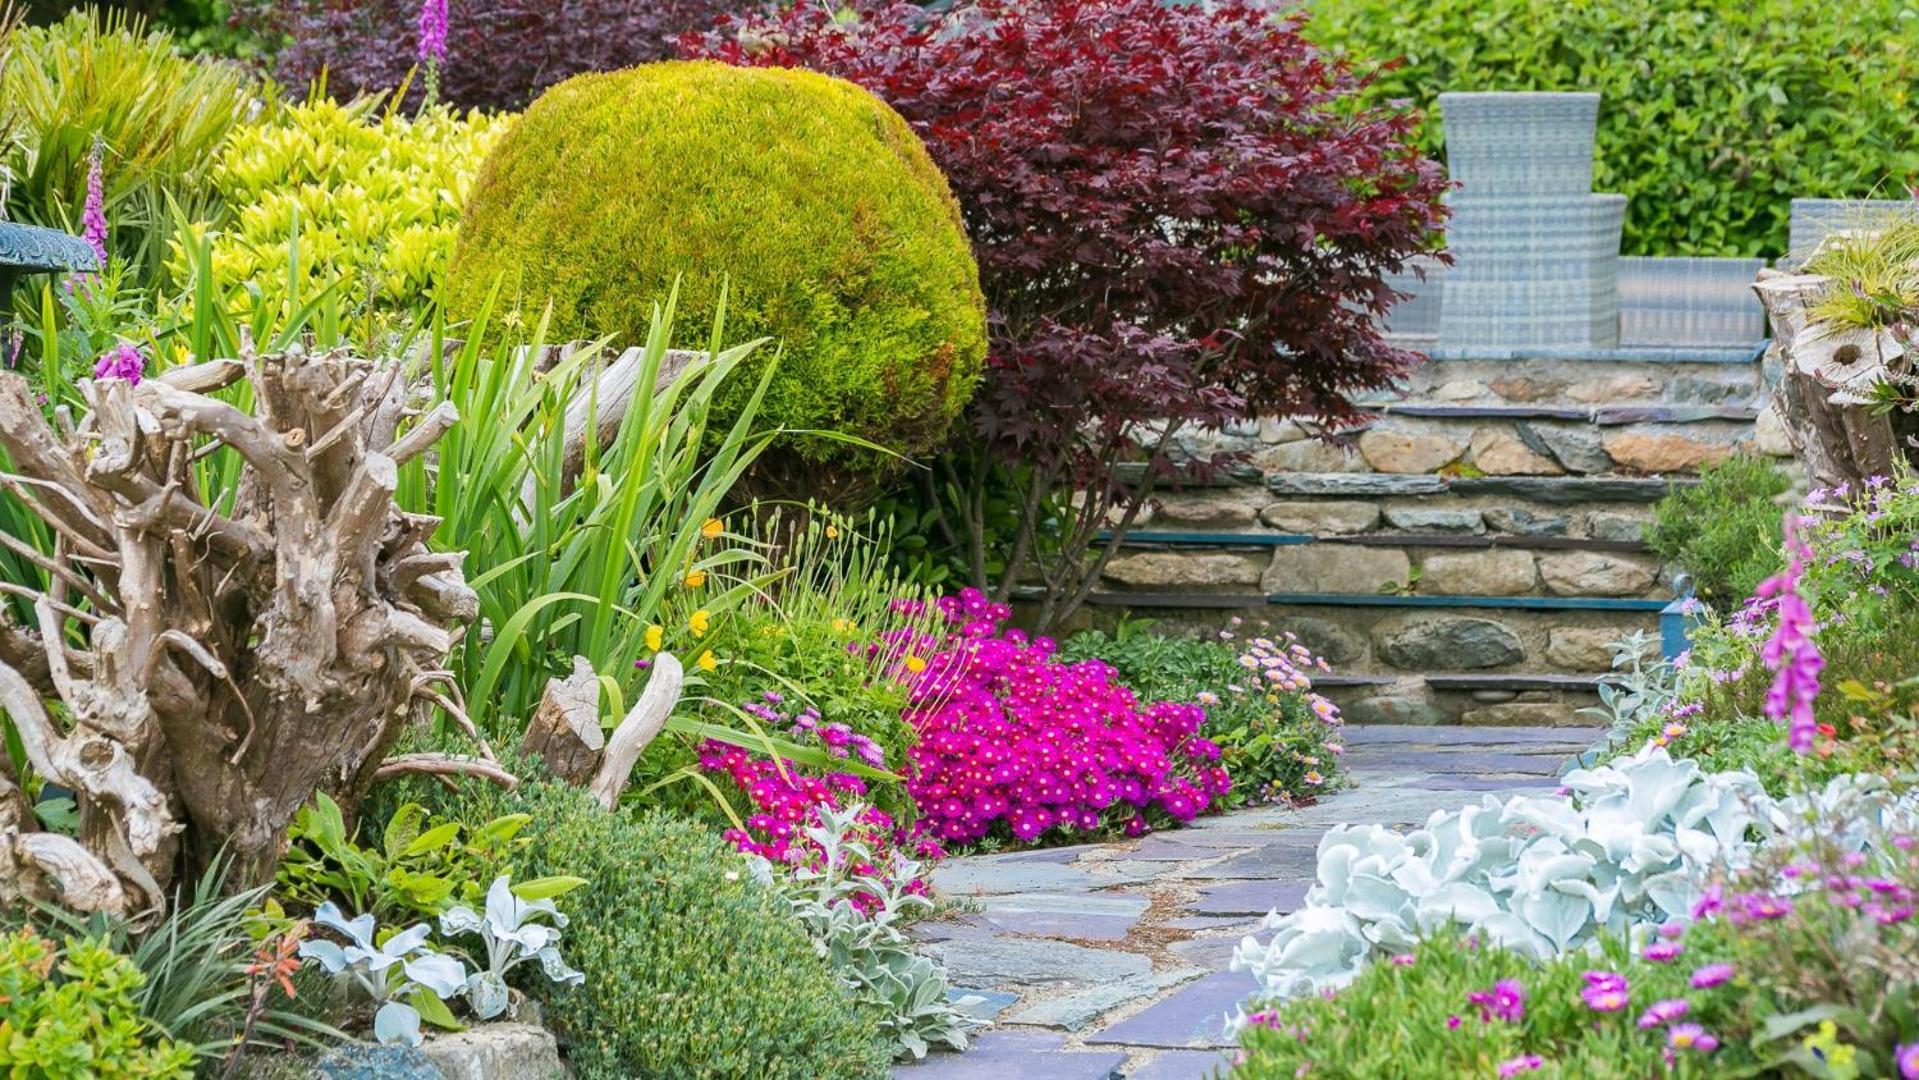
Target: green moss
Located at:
point(803, 197)
point(693, 969)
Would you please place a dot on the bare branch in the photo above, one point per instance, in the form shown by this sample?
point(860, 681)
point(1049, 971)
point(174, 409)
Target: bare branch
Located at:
point(647, 718)
point(443, 765)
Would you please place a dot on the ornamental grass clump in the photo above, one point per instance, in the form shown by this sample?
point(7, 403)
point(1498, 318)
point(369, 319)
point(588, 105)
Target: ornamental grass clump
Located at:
point(1015, 741)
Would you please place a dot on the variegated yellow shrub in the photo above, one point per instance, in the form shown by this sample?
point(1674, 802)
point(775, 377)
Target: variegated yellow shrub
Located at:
point(370, 197)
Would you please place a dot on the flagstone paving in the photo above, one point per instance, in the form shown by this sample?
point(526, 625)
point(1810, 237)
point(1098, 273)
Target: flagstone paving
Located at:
point(1111, 961)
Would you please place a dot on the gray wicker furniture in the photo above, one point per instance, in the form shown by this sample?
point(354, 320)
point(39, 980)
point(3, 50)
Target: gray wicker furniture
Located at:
point(1689, 301)
point(1520, 143)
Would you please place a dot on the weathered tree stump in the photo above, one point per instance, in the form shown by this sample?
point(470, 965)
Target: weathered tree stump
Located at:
point(221, 655)
point(1832, 378)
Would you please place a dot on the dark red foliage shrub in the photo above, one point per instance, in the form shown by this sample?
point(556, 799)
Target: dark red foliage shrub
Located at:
point(1180, 213)
point(500, 53)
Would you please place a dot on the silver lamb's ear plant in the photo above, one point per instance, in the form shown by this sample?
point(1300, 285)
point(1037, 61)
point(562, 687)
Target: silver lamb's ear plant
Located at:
point(1643, 683)
point(513, 935)
point(388, 973)
point(854, 923)
point(1630, 844)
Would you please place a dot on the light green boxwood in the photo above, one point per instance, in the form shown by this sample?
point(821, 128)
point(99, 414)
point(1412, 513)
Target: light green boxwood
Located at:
point(803, 198)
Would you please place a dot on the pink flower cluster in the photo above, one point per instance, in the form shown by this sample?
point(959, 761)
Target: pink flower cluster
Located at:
point(123, 361)
point(93, 215)
point(1008, 733)
point(787, 800)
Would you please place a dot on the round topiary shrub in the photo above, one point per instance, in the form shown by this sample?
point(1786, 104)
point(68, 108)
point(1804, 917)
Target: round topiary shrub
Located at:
point(804, 199)
point(693, 969)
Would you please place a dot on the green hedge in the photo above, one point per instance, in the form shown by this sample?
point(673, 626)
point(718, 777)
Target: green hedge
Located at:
point(805, 197)
point(1714, 114)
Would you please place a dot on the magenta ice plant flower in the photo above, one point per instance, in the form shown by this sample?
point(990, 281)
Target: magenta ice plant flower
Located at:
point(1505, 1001)
point(1663, 952)
point(1524, 1063)
point(1606, 991)
point(1905, 1057)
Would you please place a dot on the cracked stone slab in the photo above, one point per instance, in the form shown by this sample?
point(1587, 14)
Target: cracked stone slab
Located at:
point(1080, 1008)
point(1193, 1016)
point(999, 1055)
point(1288, 862)
point(974, 876)
point(1106, 916)
point(1009, 961)
point(1250, 898)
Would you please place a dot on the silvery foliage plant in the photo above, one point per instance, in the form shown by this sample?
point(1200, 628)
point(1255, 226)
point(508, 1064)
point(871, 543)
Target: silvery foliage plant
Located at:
point(868, 949)
point(1629, 844)
point(390, 974)
point(514, 933)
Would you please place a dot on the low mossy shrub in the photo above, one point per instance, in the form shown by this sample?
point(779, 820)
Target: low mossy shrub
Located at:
point(803, 200)
point(1713, 115)
point(693, 968)
point(1724, 531)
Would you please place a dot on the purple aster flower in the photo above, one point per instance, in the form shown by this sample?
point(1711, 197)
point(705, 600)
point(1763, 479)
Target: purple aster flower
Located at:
point(1521, 1064)
point(1605, 991)
point(1711, 975)
point(1663, 1012)
point(1691, 1037)
point(123, 361)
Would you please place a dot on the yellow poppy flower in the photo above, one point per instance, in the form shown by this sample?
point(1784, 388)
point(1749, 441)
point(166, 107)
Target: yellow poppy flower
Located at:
point(706, 661)
point(832, 532)
point(915, 665)
point(694, 578)
point(700, 623)
point(655, 637)
point(713, 528)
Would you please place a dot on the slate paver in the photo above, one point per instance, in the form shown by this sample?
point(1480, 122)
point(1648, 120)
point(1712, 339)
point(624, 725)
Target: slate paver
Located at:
point(1080, 1008)
point(1000, 961)
point(1002, 1055)
point(1103, 916)
point(1250, 898)
point(1192, 1016)
point(1280, 862)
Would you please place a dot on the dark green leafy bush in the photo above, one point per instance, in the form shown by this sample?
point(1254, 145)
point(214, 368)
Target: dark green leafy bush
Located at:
point(1714, 114)
point(1725, 531)
point(693, 968)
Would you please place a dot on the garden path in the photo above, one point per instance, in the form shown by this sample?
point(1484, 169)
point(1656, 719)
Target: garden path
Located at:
point(1111, 960)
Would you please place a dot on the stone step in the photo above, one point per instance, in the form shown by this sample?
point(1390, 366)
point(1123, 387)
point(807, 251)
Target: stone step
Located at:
point(1522, 441)
point(1670, 377)
point(1434, 648)
point(1381, 568)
